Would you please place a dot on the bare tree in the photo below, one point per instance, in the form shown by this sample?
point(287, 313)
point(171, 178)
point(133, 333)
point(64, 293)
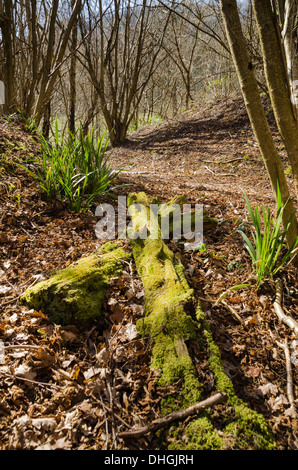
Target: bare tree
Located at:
point(72, 75)
point(255, 110)
point(33, 52)
point(121, 57)
point(180, 45)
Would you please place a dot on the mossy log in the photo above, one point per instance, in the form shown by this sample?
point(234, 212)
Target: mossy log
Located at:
point(74, 295)
point(172, 319)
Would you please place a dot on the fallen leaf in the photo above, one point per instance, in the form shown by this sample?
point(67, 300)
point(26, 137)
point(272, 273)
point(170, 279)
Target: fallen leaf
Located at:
point(253, 320)
point(268, 389)
point(131, 332)
point(253, 371)
point(47, 424)
point(4, 289)
point(25, 371)
point(103, 357)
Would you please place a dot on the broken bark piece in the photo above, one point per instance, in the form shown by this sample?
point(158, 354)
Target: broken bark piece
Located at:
point(74, 295)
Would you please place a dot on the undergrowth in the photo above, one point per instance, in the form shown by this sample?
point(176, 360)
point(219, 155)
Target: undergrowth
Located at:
point(75, 169)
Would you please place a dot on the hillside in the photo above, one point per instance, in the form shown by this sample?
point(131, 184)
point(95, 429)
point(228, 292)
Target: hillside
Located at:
point(48, 388)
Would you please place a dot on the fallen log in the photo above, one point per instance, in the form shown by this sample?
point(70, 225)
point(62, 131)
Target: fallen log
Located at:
point(174, 318)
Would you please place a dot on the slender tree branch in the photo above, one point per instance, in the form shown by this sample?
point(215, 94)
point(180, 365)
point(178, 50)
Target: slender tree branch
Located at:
point(175, 416)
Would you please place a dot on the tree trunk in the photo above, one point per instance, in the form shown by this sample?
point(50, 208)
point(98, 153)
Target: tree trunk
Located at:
point(7, 38)
point(49, 77)
point(290, 43)
point(31, 14)
point(72, 76)
point(277, 82)
point(255, 110)
point(118, 133)
point(46, 121)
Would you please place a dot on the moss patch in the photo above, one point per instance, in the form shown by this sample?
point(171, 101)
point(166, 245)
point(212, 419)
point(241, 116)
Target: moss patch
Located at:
point(200, 434)
point(74, 295)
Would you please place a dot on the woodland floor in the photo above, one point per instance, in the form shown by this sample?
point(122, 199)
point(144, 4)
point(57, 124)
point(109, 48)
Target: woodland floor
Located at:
point(47, 397)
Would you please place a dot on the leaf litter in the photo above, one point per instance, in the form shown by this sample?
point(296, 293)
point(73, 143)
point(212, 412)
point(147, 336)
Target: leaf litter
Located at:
point(65, 389)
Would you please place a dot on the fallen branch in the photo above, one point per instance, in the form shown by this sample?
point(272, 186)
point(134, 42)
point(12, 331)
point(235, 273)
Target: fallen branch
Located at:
point(230, 161)
point(176, 415)
point(289, 321)
point(35, 382)
point(290, 388)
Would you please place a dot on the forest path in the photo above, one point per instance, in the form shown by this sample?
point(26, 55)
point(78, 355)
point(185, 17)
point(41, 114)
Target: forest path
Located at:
point(209, 151)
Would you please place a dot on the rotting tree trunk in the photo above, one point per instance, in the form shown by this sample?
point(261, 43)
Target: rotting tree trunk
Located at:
point(172, 319)
point(256, 111)
point(277, 82)
point(75, 294)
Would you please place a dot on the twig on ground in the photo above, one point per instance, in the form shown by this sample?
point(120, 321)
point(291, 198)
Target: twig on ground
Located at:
point(176, 415)
point(209, 170)
point(17, 298)
point(23, 346)
point(290, 388)
point(230, 161)
point(114, 434)
point(35, 382)
point(233, 311)
point(226, 305)
point(106, 420)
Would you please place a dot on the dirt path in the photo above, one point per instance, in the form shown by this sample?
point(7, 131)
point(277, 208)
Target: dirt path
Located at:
point(211, 149)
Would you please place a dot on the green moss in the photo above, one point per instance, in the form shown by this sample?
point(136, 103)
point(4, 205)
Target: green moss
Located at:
point(74, 295)
point(201, 436)
point(166, 297)
point(198, 435)
point(108, 246)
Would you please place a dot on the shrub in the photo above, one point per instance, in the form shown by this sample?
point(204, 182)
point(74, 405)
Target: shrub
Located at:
point(269, 243)
point(75, 169)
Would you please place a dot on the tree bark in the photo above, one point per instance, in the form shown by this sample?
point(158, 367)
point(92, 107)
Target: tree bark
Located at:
point(256, 113)
point(46, 121)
